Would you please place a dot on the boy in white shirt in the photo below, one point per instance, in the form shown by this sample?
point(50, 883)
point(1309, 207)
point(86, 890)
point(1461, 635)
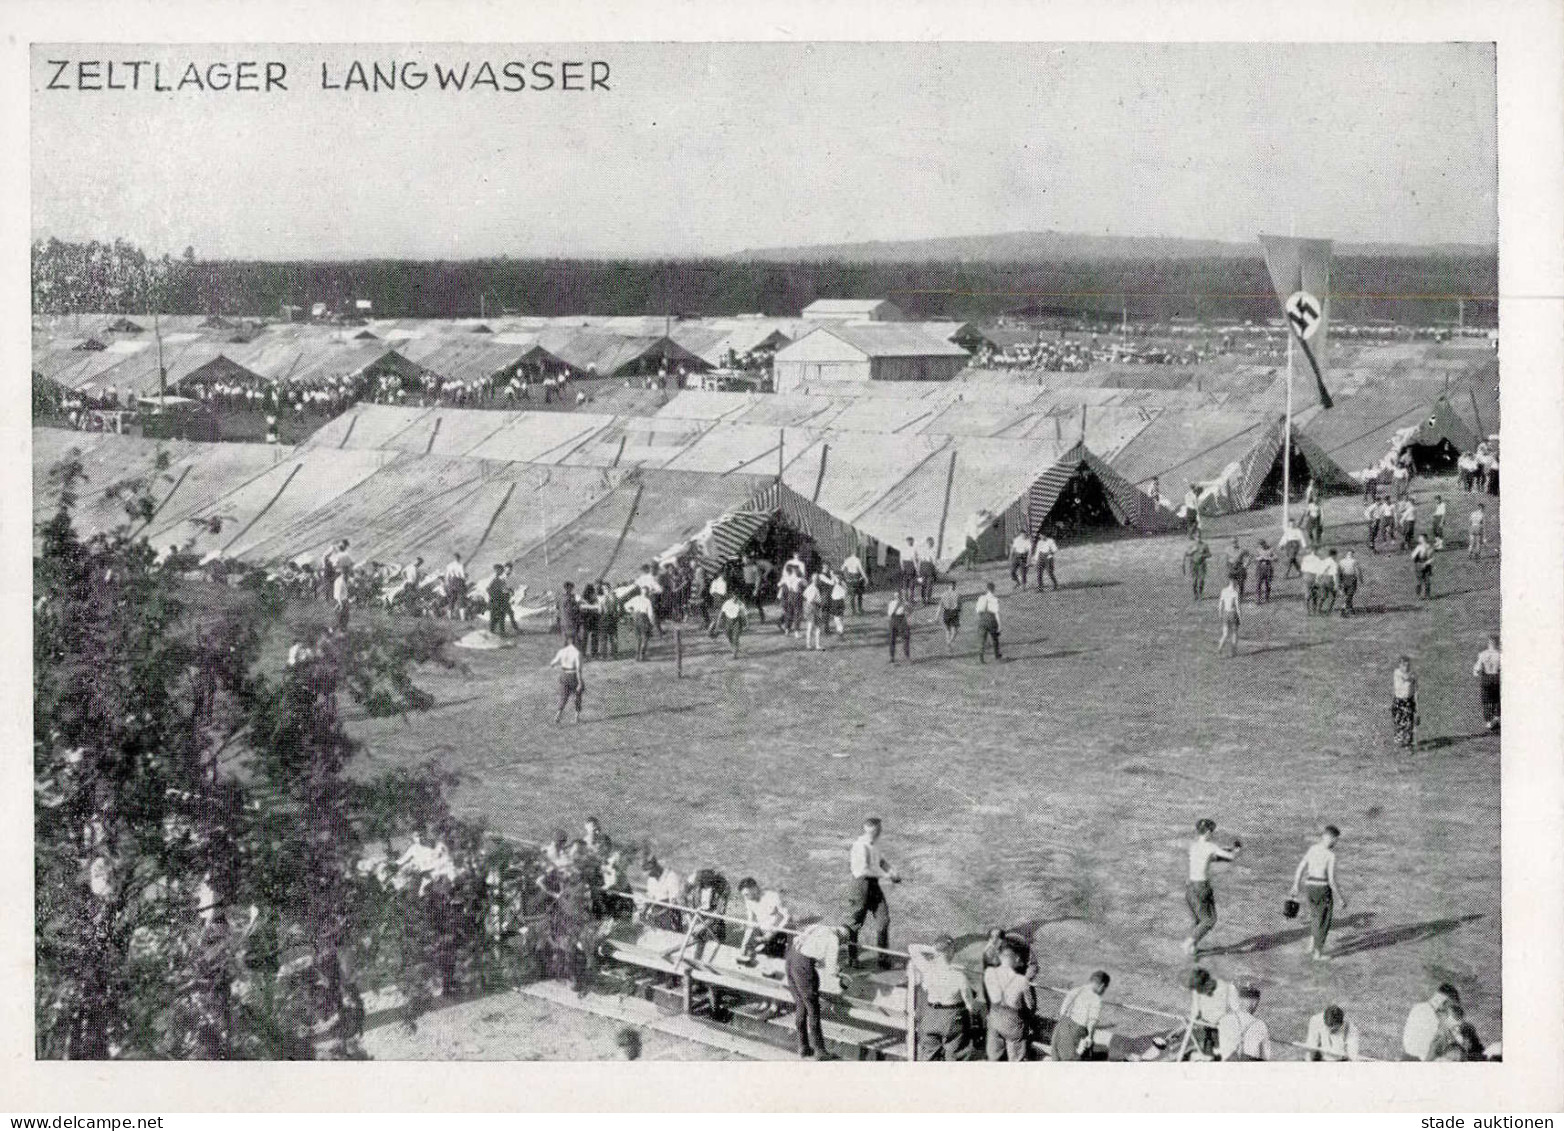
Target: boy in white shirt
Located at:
point(1332, 1036)
point(987, 609)
point(1227, 608)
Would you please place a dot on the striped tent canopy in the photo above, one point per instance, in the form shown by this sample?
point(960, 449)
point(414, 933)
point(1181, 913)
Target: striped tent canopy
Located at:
point(1130, 505)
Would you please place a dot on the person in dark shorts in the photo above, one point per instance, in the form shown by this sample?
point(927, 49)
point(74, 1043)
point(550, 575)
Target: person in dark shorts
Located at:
point(898, 612)
point(950, 614)
point(1403, 703)
point(1264, 571)
point(1423, 563)
point(572, 685)
point(1349, 577)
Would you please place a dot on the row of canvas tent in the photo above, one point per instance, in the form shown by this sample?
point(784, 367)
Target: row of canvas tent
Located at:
point(559, 519)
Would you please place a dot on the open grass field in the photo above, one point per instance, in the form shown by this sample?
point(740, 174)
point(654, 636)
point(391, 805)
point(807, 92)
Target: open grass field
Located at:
point(1060, 788)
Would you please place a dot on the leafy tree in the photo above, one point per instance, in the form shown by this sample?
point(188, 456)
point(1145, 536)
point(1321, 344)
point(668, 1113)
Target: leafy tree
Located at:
point(200, 834)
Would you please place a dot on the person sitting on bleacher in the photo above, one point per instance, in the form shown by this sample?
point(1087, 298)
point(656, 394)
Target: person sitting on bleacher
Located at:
point(708, 892)
point(666, 886)
point(767, 919)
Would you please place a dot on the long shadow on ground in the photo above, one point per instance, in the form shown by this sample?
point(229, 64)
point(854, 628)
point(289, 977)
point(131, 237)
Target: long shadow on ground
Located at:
point(1403, 933)
point(1256, 944)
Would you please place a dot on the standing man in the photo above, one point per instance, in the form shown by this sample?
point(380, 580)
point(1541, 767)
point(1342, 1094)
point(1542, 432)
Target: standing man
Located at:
point(1242, 1035)
point(812, 958)
point(1371, 519)
point(1403, 703)
point(733, 618)
point(1387, 523)
point(572, 685)
point(1011, 1005)
point(1330, 581)
point(1438, 527)
point(1291, 546)
point(987, 609)
point(868, 869)
point(1264, 571)
point(718, 593)
point(1236, 566)
point(1020, 551)
point(857, 581)
point(1076, 1030)
point(1317, 873)
point(1348, 569)
point(570, 615)
point(642, 617)
point(1043, 559)
point(1423, 563)
point(1486, 671)
point(499, 601)
point(926, 573)
point(1313, 521)
point(950, 615)
point(1406, 520)
point(455, 577)
point(898, 612)
point(1227, 609)
point(909, 571)
point(948, 1005)
point(1199, 894)
point(339, 590)
point(1194, 563)
point(1474, 532)
point(1331, 1036)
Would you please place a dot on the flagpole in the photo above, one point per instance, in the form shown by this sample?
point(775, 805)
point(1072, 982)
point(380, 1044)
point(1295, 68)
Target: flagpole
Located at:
point(1287, 441)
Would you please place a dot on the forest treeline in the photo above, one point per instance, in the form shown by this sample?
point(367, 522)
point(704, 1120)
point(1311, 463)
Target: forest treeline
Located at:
point(118, 277)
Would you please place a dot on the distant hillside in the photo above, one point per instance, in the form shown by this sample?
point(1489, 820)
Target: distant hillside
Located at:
point(1067, 247)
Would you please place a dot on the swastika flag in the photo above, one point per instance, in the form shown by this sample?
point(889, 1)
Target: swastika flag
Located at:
point(1303, 265)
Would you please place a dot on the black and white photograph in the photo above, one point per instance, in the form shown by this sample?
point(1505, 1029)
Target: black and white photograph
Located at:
point(782, 552)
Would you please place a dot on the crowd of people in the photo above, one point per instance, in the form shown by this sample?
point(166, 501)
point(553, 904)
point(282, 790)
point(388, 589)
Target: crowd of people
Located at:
point(978, 1007)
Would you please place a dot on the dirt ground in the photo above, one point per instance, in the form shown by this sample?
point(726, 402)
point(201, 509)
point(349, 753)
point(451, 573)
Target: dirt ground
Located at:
point(1058, 789)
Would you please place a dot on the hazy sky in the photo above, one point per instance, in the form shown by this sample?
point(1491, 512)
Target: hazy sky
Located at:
point(701, 148)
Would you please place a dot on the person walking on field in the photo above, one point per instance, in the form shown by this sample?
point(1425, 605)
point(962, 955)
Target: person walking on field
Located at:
point(572, 683)
point(1264, 571)
point(1348, 570)
point(1406, 520)
point(868, 868)
point(909, 571)
point(1474, 532)
point(733, 617)
point(987, 609)
point(1423, 563)
point(950, 615)
point(1043, 560)
point(1403, 703)
point(815, 603)
point(898, 612)
point(1371, 518)
point(1236, 566)
point(1316, 872)
point(857, 582)
point(1194, 564)
point(1291, 546)
point(1199, 894)
point(926, 573)
point(1020, 553)
point(643, 618)
point(1227, 609)
point(1437, 528)
point(1486, 671)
